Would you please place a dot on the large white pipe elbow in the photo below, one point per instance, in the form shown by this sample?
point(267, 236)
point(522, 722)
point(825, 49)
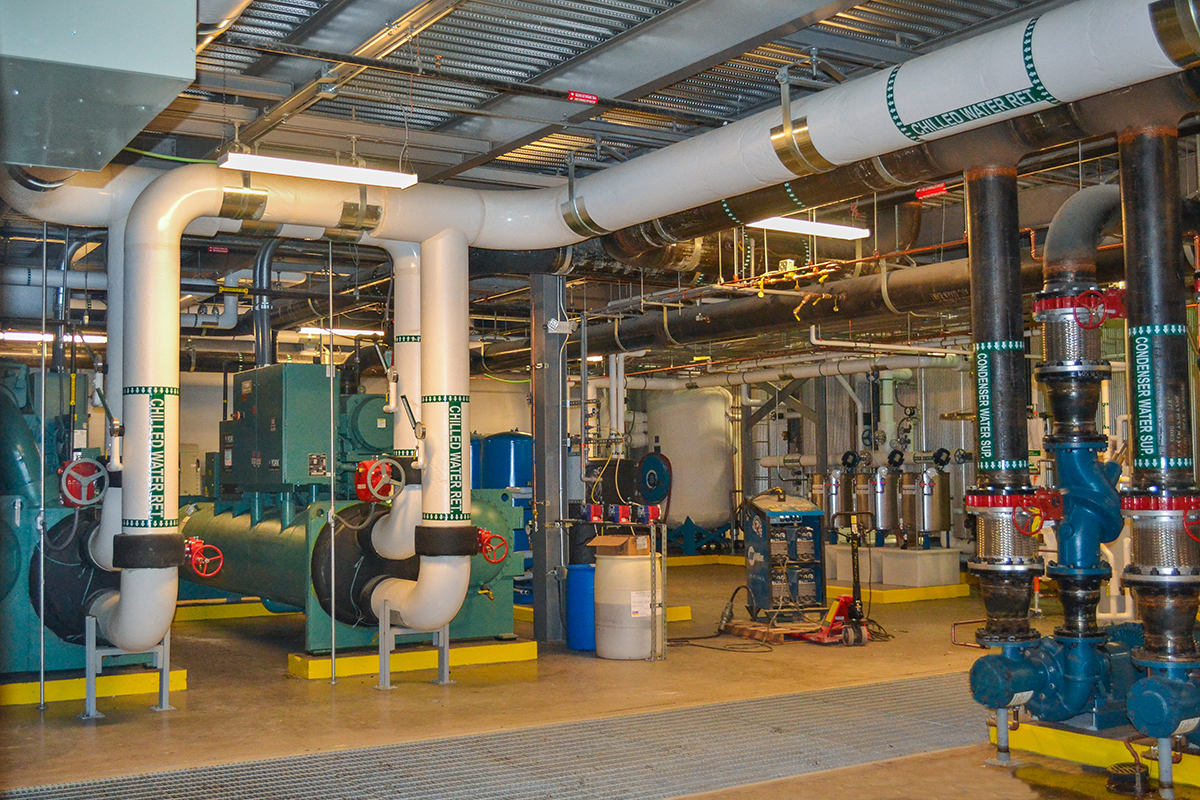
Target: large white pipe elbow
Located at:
point(138, 616)
point(394, 536)
point(432, 600)
point(100, 543)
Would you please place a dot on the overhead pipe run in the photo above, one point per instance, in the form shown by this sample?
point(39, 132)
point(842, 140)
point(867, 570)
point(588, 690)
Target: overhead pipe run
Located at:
point(831, 367)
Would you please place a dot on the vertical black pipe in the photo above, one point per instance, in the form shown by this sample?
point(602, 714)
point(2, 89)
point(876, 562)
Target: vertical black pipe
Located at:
point(264, 344)
point(1156, 301)
point(997, 328)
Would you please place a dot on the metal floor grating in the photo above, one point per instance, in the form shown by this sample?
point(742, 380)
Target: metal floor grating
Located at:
point(654, 755)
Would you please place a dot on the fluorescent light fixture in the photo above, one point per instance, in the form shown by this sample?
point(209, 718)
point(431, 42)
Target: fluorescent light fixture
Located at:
point(340, 173)
point(810, 228)
point(34, 336)
point(595, 359)
point(349, 333)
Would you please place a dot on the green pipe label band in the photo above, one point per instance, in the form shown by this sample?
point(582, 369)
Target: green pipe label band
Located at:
point(158, 456)
point(455, 484)
point(406, 453)
point(985, 424)
point(1001, 104)
point(1141, 348)
point(409, 338)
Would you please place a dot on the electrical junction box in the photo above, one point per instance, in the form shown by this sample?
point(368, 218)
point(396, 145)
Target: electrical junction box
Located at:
point(278, 431)
point(785, 557)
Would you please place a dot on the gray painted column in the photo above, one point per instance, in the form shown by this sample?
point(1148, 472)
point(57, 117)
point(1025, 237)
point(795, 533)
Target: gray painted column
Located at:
point(549, 437)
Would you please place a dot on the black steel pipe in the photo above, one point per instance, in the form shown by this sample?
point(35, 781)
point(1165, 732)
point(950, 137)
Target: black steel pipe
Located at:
point(264, 348)
point(1156, 301)
point(997, 328)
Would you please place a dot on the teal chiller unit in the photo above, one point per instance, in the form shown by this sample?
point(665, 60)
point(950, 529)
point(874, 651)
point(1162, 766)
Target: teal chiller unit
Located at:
point(270, 516)
point(22, 471)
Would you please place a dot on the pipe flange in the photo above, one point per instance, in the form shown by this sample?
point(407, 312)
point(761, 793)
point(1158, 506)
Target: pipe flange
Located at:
point(1140, 575)
point(1145, 660)
point(1063, 635)
point(1102, 570)
point(1050, 371)
point(1016, 564)
point(1082, 441)
point(985, 639)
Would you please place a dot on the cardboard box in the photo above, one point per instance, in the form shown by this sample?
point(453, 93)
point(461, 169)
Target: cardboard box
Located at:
point(620, 544)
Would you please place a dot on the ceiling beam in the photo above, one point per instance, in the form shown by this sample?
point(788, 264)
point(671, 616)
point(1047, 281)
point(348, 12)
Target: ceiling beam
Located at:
point(686, 40)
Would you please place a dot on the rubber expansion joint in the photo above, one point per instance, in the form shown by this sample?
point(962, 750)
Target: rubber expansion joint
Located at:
point(147, 550)
point(461, 540)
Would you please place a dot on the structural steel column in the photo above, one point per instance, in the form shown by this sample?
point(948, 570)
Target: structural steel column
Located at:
point(549, 386)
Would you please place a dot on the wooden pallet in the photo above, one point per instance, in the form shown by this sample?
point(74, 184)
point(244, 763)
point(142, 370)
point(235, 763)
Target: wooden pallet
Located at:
point(771, 634)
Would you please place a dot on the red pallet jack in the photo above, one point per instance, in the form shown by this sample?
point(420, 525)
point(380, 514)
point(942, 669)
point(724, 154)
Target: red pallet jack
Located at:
point(845, 621)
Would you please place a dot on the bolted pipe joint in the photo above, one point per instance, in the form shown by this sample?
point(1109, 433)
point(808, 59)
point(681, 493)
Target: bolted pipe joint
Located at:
point(1161, 706)
point(1007, 562)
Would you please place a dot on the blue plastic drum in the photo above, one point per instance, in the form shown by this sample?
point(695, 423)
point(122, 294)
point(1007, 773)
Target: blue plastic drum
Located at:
point(507, 460)
point(581, 606)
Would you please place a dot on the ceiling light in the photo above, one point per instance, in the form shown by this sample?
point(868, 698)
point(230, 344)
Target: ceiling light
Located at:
point(595, 359)
point(349, 333)
point(810, 228)
point(34, 336)
point(340, 173)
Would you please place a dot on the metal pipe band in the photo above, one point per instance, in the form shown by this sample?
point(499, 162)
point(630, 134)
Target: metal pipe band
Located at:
point(998, 540)
point(1066, 340)
point(1161, 541)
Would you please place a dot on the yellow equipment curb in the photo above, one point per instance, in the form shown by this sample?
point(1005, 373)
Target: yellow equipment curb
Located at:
point(412, 659)
point(112, 685)
point(905, 594)
point(674, 613)
point(1096, 751)
point(705, 561)
point(202, 611)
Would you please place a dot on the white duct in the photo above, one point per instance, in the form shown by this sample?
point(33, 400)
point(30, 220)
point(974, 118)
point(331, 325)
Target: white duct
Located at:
point(72, 279)
point(394, 535)
point(434, 598)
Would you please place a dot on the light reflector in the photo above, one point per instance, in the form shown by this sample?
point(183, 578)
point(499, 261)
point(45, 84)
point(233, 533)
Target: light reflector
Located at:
point(339, 173)
point(808, 227)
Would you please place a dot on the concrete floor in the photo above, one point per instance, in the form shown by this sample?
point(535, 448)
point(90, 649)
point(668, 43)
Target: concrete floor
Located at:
point(242, 704)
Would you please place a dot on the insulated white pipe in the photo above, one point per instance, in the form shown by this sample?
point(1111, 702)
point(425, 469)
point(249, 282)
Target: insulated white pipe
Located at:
point(435, 597)
point(614, 389)
point(394, 536)
point(72, 279)
point(223, 321)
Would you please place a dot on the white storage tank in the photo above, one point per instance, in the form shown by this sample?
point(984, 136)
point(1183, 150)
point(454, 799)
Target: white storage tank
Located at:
point(692, 429)
point(625, 609)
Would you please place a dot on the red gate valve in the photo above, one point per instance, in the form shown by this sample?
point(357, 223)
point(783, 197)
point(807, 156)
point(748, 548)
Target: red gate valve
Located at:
point(84, 482)
point(1045, 504)
point(1114, 302)
point(374, 480)
point(205, 560)
point(492, 546)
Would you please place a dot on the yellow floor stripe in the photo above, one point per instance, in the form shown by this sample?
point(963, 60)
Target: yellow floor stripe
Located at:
point(1096, 751)
point(674, 613)
point(192, 613)
point(906, 594)
point(115, 685)
point(411, 660)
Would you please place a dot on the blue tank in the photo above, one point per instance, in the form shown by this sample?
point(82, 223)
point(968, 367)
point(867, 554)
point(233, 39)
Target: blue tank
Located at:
point(507, 460)
point(476, 462)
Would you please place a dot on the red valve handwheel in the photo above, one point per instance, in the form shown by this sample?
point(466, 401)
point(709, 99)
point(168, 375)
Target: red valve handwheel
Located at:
point(493, 547)
point(1092, 302)
point(206, 560)
point(1191, 525)
point(379, 478)
point(80, 479)
point(1036, 518)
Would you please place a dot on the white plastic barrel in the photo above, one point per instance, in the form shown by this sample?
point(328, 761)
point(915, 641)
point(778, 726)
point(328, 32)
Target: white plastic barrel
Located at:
point(623, 609)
